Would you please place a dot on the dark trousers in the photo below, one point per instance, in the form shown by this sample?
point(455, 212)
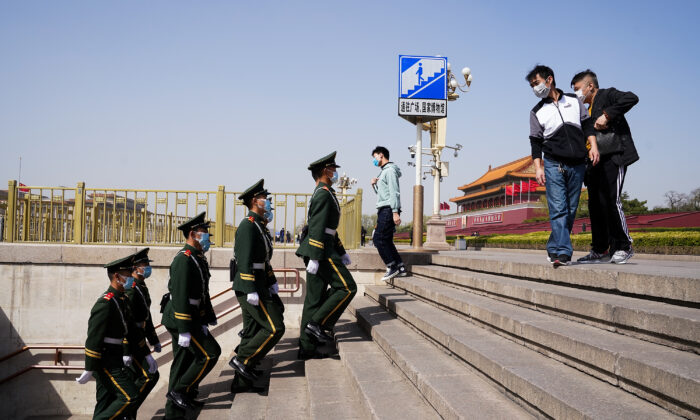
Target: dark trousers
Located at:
point(384, 237)
point(325, 306)
point(144, 380)
point(116, 393)
point(190, 365)
point(608, 223)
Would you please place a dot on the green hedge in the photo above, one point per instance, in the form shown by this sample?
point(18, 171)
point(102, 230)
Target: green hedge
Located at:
point(682, 241)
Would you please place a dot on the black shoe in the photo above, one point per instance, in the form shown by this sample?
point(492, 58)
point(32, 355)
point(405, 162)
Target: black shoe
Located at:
point(595, 258)
point(402, 271)
point(391, 272)
point(178, 399)
point(315, 330)
point(560, 260)
point(195, 402)
point(242, 369)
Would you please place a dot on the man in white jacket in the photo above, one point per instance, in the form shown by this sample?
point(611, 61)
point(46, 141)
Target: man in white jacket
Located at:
point(388, 212)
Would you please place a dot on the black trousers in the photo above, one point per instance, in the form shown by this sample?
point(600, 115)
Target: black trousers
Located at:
point(608, 223)
point(384, 237)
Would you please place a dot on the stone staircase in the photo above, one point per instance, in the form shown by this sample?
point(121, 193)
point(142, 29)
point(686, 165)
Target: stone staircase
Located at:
point(479, 333)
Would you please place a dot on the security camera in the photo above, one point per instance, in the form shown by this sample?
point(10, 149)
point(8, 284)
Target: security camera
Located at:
point(455, 153)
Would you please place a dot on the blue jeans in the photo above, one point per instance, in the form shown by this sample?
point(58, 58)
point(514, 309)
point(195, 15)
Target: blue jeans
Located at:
point(384, 237)
point(563, 183)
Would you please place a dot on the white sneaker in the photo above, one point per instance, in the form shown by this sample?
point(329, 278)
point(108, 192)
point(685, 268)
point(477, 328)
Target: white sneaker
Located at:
point(621, 256)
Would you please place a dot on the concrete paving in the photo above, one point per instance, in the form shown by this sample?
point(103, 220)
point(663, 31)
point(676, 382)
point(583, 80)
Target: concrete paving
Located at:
point(331, 395)
point(630, 363)
point(552, 388)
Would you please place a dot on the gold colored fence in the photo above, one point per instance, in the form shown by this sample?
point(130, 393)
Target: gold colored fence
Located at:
point(150, 217)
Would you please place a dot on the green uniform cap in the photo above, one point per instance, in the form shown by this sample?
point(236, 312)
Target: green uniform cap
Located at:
point(324, 162)
point(141, 256)
point(194, 223)
point(256, 189)
point(126, 263)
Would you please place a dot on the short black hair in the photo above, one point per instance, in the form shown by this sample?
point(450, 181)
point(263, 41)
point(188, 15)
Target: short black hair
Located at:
point(543, 71)
point(586, 73)
point(381, 149)
point(316, 173)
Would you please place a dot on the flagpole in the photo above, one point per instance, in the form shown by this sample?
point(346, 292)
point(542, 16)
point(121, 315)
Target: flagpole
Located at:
point(19, 177)
point(521, 192)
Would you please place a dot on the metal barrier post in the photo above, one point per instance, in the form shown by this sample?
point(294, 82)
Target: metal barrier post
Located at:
point(220, 217)
point(79, 213)
point(11, 217)
point(169, 234)
point(143, 225)
point(358, 218)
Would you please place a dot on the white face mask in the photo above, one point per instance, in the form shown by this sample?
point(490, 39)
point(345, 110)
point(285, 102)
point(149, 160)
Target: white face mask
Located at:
point(541, 90)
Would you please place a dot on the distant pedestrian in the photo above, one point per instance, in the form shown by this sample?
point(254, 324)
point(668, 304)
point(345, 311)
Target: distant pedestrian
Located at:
point(388, 212)
point(611, 241)
point(363, 233)
point(559, 126)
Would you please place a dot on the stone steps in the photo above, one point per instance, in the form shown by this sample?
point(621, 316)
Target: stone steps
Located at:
point(283, 376)
point(454, 390)
point(668, 280)
point(331, 395)
point(658, 322)
point(632, 364)
point(382, 388)
point(544, 385)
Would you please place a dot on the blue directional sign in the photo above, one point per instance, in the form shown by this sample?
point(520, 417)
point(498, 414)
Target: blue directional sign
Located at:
point(422, 87)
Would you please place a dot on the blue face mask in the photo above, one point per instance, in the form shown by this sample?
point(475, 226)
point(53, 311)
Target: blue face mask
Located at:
point(375, 162)
point(147, 271)
point(129, 282)
point(204, 242)
point(335, 177)
point(268, 211)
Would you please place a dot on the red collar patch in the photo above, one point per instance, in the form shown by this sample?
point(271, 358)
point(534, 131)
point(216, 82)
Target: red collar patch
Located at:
point(188, 252)
point(251, 218)
point(109, 296)
point(326, 188)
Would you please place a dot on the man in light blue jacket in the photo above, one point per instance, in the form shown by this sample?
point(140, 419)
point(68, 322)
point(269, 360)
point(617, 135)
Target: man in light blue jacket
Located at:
point(388, 213)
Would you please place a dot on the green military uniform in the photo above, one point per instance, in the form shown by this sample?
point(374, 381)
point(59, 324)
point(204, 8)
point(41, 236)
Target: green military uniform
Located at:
point(140, 303)
point(263, 324)
point(322, 243)
point(109, 327)
point(189, 310)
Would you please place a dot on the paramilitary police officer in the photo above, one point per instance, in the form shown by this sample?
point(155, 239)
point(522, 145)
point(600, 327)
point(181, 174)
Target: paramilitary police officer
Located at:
point(140, 302)
point(325, 259)
point(256, 289)
point(187, 314)
point(110, 324)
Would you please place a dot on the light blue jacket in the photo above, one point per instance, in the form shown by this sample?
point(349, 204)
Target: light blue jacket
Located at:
point(388, 193)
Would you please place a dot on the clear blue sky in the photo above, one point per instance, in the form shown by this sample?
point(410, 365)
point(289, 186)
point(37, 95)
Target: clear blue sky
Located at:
point(190, 95)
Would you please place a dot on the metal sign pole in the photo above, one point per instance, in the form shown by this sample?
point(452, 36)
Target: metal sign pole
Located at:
point(418, 190)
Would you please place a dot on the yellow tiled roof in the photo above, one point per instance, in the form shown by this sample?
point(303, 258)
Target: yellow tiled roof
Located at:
point(516, 166)
point(477, 194)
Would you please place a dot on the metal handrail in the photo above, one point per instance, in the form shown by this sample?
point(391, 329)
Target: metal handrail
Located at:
point(57, 357)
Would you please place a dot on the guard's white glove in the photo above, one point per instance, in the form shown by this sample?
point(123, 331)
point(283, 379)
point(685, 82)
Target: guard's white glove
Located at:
point(312, 267)
point(184, 339)
point(275, 289)
point(157, 347)
point(205, 330)
point(84, 377)
point(128, 360)
point(152, 365)
point(346, 259)
point(253, 298)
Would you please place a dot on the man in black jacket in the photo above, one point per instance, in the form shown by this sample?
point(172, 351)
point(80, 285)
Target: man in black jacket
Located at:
point(607, 107)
